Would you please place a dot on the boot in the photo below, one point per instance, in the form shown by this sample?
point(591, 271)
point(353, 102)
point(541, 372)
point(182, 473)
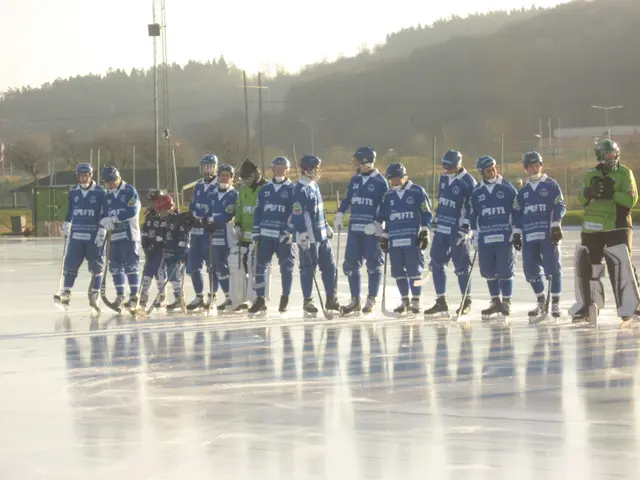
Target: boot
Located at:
point(242, 307)
point(309, 307)
point(415, 305)
point(494, 308)
point(144, 298)
point(555, 308)
point(332, 304)
point(351, 307)
point(119, 301)
point(506, 307)
point(466, 307)
point(175, 304)
point(403, 307)
point(226, 305)
point(439, 308)
point(197, 302)
point(161, 302)
point(369, 305)
point(132, 304)
point(284, 303)
point(63, 297)
point(258, 306)
point(539, 310)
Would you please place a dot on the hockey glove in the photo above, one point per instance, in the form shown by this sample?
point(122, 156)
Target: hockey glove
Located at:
point(463, 235)
point(304, 241)
point(108, 223)
point(516, 241)
point(384, 244)
point(210, 226)
point(373, 228)
point(237, 229)
point(66, 228)
point(608, 188)
point(286, 238)
point(474, 238)
point(338, 222)
point(423, 239)
point(556, 235)
point(329, 232)
point(100, 237)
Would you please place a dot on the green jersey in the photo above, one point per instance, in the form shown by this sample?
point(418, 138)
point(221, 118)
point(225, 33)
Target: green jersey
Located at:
point(603, 215)
point(247, 200)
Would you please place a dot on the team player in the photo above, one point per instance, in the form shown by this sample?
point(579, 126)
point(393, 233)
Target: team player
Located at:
point(241, 256)
point(452, 233)
point(220, 226)
point(121, 211)
point(175, 239)
point(312, 235)
point(491, 223)
point(80, 228)
point(272, 234)
point(406, 213)
point(609, 193)
point(152, 240)
point(538, 212)
point(200, 241)
point(365, 194)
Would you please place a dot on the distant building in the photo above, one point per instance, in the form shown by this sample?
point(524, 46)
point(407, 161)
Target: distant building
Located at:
point(581, 135)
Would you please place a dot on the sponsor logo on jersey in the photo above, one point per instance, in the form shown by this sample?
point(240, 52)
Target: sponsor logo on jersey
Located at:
point(544, 192)
point(410, 200)
point(445, 202)
point(285, 194)
point(274, 207)
point(230, 209)
point(297, 208)
point(489, 211)
point(535, 208)
point(455, 190)
point(248, 209)
point(500, 195)
point(361, 201)
point(75, 199)
point(156, 224)
point(371, 187)
point(400, 216)
point(83, 212)
point(93, 199)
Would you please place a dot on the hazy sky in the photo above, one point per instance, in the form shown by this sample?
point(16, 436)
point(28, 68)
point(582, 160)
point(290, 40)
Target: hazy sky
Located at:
point(45, 39)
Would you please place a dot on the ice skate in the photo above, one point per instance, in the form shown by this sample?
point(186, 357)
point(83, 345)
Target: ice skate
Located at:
point(369, 305)
point(466, 307)
point(539, 313)
point(94, 301)
point(259, 306)
point(587, 314)
point(506, 307)
point(415, 305)
point(118, 303)
point(226, 305)
point(352, 307)
point(63, 298)
point(332, 304)
point(284, 304)
point(439, 310)
point(144, 299)
point(494, 310)
point(403, 308)
point(555, 310)
point(196, 303)
point(309, 308)
point(161, 302)
point(241, 308)
point(174, 305)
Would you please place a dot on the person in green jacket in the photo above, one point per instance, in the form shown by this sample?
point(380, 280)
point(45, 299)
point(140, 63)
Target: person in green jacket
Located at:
point(608, 194)
point(241, 256)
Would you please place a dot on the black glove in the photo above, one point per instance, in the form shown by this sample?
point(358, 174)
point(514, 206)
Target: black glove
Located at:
point(608, 188)
point(209, 227)
point(516, 241)
point(556, 235)
point(423, 239)
point(384, 244)
point(596, 189)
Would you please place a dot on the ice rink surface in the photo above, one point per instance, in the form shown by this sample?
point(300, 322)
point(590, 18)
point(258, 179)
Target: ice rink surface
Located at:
point(192, 397)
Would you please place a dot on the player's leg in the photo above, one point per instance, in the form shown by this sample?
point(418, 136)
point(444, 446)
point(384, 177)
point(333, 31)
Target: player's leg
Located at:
point(286, 261)
point(327, 265)
point(72, 261)
point(592, 245)
point(623, 281)
point(221, 269)
point(440, 254)
point(505, 272)
point(132, 271)
point(414, 266)
point(487, 260)
point(532, 266)
point(551, 262)
point(237, 278)
point(266, 248)
point(198, 252)
point(461, 258)
point(150, 270)
point(374, 261)
point(117, 260)
point(95, 262)
point(307, 265)
point(353, 256)
point(399, 274)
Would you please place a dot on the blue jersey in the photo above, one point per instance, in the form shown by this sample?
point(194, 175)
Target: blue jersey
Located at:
point(222, 210)
point(405, 212)
point(365, 194)
point(308, 211)
point(273, 209)
point(84, 211)
point(538, 206)
point(454, 202)
point(123, 204)
point(201, 202)
point(491, 211)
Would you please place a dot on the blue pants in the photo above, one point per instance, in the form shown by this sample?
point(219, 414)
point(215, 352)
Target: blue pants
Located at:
point(317, 254)
point(407, 263)
point(220, 269)
point(267, 247)
point(497, 266)
point(124, 263)
point(363, 247)
point(444, 249)
point(77, 252)
point(174, 270)
point(198, 253)
point(152, 264)
point(538, 257)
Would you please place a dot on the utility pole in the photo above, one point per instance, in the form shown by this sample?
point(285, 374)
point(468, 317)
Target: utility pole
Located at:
point(261, 122)
point(154, 32)
point(246, 115)
point(165, 93)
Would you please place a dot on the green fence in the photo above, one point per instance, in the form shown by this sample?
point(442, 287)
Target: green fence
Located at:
point(50, 208)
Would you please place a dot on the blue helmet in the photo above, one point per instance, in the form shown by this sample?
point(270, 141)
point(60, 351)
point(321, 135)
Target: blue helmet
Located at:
point(365, 155)
point(396, 170)
point(109, 173)
point(309, 162)
point(208, 164)
point(485, 162)
point(452, 159)
point(84, 168)
point(530, 158)
point(281, 161)
point(225, 167)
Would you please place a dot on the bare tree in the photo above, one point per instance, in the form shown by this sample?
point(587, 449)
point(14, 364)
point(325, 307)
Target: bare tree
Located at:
point(31, 154)
point(66, 148)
